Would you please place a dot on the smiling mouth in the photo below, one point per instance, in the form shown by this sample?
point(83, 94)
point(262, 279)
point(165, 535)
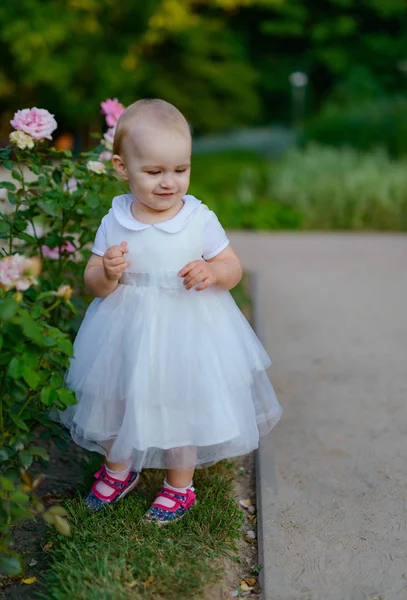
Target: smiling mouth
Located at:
point(166, 195)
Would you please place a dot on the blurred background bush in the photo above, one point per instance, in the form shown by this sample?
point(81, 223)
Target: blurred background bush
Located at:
point(253, 77)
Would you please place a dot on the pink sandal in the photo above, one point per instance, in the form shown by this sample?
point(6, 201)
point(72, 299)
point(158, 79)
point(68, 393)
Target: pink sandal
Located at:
point(165, 514)
point(97, 501)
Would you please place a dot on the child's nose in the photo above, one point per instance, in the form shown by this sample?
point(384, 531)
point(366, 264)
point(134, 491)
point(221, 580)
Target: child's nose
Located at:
point(167, 180)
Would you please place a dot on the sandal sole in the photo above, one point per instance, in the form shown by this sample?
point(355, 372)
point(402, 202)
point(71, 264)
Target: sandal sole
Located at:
point(159, 523)
point(122, 495)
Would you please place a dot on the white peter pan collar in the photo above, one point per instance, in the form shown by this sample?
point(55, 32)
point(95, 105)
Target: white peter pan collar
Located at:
point(121, 210)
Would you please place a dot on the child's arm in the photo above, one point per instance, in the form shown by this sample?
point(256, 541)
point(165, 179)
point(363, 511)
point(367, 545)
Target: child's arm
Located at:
point(102, 274)
point(223, 270)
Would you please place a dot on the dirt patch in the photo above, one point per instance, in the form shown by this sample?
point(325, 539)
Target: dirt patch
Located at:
point(243, 568)
point(62, 479)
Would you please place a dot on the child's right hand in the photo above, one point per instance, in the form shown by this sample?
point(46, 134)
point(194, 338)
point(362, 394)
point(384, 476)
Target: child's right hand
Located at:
point(114, 262)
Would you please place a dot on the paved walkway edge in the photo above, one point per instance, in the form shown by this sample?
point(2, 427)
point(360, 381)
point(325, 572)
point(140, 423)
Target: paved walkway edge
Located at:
point(265, 469)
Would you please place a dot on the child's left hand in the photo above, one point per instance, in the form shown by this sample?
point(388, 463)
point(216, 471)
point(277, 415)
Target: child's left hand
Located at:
point(198, 271)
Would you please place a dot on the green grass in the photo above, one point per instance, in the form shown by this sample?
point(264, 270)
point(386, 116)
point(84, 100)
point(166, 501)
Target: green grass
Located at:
point(317, 188)
point(113, 555)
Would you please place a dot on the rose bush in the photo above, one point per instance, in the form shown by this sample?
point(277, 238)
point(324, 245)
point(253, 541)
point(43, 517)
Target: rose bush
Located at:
point(52, 206)
point(34, 356)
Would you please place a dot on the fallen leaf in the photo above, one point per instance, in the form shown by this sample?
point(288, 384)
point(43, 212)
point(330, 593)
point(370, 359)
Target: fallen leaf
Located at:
point(29, 581)
point(50, 499)
point(62, 525)
point(148, 581)
point(133, 583)
point(250, 539)
point(244, 587)
point(58, 510)
point(250, 581)
point(26, 477)
point(48, 546)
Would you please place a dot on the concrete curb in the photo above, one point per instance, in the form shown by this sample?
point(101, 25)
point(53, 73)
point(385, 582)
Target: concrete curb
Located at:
point(266, 481)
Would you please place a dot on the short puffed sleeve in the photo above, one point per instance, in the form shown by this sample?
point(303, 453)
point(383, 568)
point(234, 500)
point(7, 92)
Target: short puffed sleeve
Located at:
point(100, 244)
point(214, 236)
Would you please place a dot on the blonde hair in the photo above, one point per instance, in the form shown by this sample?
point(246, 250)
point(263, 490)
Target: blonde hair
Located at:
point(160, 111)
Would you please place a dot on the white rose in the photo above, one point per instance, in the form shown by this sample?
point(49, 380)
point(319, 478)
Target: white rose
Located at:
point(96, 167)
point(21, 139)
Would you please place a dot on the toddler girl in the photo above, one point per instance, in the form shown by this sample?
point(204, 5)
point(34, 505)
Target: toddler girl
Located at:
point(166, 370)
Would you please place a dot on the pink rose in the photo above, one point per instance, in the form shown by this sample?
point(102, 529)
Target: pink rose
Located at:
point(53, 253)
point(37, 122)
point(72, 185)
point(19, 272)
point(105, 156)
point(109, 135)
point(112, 109)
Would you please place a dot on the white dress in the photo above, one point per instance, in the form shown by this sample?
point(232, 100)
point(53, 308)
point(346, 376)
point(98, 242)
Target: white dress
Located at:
point(167, 377)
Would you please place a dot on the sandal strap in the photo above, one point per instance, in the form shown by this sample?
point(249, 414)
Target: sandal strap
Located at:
point(180, 500)
point(116, 485)
point(102, 475)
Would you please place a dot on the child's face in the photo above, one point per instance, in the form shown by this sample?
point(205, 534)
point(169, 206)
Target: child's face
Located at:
point(157, 166)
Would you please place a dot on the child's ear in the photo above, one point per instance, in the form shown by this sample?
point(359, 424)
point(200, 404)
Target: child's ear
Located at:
point(119, 166)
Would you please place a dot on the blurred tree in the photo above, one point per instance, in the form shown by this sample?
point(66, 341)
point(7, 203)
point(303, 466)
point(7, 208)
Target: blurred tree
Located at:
point(350, 50)
point(223, 62)
point(68, 55)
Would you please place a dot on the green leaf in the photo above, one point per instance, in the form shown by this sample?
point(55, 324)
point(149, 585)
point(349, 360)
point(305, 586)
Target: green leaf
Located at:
point(49, 340)
point(31, 377)
point(65, 346)
point(38, 451)
point(48, 396)
point(7, 484)
point(67, 396)
point(92, 200)
point(16, 175)
point(56, 380)
point(12, 198)
point(8, 309)
point(5, 454)
point(35, 169)
point(61, 444)
point(5, 357)
point(10, 565)
point(4, 227)
point(8, 164)
point(27, 237)
point(25, 459)
point(1, 341)
point(7, 185)
point(18, 421)
point(57, 175)
point(31, 329)
point(19, 497)
point(16, 367)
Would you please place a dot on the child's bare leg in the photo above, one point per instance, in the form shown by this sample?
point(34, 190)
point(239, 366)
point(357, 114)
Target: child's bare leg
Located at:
point(180, 478)
point(177, 495)
point(113, 482)
point(113, 466)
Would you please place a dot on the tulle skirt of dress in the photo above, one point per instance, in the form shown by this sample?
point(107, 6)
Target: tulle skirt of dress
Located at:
point(168, 378)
